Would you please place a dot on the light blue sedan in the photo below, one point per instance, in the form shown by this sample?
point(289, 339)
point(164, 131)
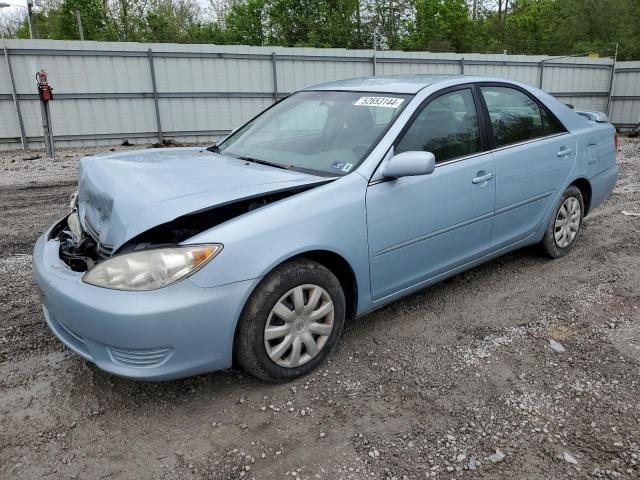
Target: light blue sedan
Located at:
point(335, 201)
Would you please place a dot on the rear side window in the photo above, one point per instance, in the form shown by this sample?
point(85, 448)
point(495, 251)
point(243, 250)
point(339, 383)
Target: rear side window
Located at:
point(550, 124)
point(515, 117)
point(447, 127)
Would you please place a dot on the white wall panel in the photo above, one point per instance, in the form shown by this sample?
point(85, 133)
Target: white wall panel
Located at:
point(568, 79)
point(8, 120)
point(383, 68)
point(586, 103)
point(193, 114)
point(527, 74)
point(625, 102)
point(81, 74)
point(105, 88)
point(5, 82)
point(626, 111)
point(296, 74)
point(627, 83)
point(212, 75)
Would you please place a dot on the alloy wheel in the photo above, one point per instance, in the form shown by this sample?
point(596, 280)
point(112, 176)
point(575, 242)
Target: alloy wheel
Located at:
point(299, 325)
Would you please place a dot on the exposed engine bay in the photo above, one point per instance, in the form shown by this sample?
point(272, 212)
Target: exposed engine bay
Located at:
point(77, 248)
point(80, 248)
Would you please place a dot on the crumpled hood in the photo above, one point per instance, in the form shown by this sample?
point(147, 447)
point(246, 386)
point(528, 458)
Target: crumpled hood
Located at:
point(123, 194)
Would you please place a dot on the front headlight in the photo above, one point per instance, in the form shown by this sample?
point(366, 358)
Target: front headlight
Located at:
point(150, 269)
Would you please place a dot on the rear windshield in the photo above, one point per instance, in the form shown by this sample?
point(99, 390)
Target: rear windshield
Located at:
point(319, 131)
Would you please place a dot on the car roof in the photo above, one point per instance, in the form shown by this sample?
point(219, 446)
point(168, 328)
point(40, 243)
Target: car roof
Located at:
point(410, 84)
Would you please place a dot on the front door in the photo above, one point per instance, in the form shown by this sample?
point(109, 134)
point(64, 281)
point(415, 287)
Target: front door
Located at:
point(423, 226)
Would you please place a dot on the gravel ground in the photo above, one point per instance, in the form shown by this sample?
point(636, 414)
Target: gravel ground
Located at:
point(521, 368)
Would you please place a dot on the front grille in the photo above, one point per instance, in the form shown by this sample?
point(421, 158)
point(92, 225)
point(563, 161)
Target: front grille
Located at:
point(149, 357)
point(104, 251)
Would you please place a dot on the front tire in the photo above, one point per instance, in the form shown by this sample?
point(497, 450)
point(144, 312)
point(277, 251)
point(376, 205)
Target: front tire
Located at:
point(564, 225)
point(291, 322)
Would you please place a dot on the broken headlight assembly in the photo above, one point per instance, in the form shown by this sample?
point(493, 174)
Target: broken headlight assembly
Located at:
point(150, 269)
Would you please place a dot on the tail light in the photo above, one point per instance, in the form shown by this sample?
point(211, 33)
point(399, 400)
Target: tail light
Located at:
point(615, 140)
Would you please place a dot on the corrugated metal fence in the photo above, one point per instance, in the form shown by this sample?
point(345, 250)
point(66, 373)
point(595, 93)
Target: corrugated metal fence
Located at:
point(108, 92)
point(625, 100)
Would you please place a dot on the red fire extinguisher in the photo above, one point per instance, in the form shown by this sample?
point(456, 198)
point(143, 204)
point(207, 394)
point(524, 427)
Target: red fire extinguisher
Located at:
point(44, 89)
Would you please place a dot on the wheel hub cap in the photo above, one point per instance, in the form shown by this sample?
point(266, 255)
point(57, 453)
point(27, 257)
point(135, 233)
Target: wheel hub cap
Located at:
point(299, 325)
point(567, 222)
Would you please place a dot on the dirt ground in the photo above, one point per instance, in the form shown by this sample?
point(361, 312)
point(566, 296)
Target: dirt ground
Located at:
point(459, 380)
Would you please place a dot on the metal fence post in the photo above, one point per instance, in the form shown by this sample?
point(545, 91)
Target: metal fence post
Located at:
point(47, 130)
point(462, 66)
point(374, 62)
point(610, 93)
point(155, 94)
point(613, 72)
point(274, 72)
point(541, 66)
point(80, 26)
point(16, 101)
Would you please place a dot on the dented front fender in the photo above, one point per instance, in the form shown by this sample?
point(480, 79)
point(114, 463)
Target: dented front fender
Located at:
point(330, 217)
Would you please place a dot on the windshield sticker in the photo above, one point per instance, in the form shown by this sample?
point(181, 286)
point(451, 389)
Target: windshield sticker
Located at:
point(387, 102)
point(343, 167)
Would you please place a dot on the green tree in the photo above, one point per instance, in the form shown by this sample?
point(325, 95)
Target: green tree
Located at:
point(170, 21)
point(244, 22)
point(59, 21)
point(439, 25)
point(554, 27)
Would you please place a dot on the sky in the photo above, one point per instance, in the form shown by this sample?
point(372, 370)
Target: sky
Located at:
point(12, 11)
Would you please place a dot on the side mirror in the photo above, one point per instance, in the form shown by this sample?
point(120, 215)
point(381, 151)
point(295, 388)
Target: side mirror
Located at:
point(407, 164)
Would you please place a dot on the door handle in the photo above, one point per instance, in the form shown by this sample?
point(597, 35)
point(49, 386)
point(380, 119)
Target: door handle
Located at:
point(564, 152)
point(482, 178)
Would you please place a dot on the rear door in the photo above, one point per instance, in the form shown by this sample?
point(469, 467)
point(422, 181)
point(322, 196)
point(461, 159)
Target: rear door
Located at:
point(533, 155)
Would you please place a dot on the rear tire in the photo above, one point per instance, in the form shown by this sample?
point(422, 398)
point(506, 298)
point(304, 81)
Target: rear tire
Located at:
point(564, 225)
point(291, 322)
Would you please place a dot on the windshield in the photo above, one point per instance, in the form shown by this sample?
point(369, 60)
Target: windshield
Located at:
point(321, 131)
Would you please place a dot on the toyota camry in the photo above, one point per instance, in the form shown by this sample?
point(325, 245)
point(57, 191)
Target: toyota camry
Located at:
point(333, 202)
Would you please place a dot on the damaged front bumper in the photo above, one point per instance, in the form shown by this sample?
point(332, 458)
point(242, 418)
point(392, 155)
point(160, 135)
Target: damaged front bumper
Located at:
point(78, 249)
point(176, 331)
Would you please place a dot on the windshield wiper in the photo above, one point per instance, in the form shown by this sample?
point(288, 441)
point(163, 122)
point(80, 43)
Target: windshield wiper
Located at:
point(265, 162)
point(213, 148)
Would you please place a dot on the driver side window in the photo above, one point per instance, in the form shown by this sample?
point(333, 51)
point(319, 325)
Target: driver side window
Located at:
point(447, 127)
